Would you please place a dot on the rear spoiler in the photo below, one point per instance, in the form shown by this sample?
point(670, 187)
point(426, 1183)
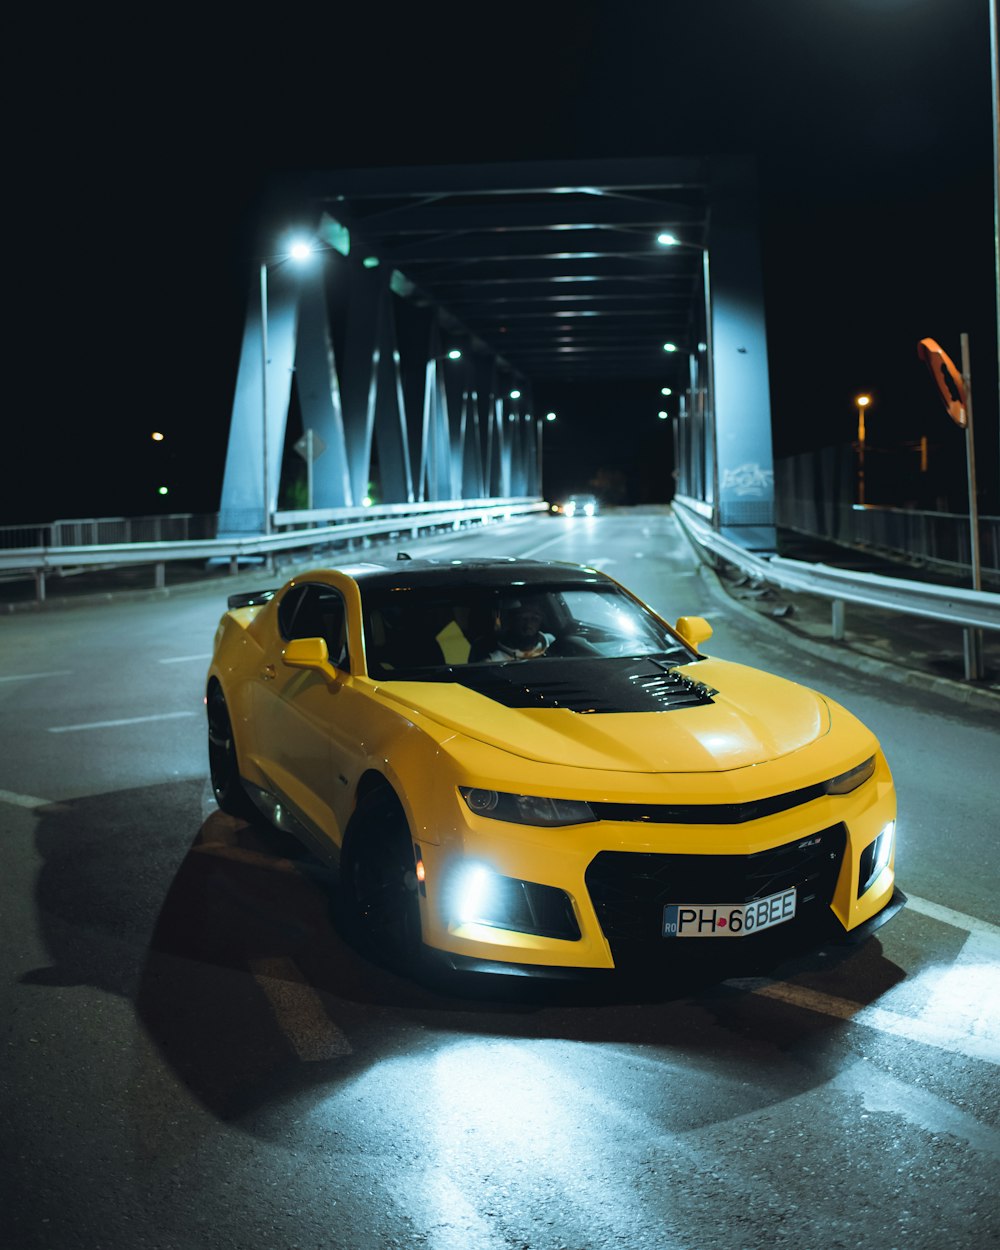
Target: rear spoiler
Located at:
point(250, 598)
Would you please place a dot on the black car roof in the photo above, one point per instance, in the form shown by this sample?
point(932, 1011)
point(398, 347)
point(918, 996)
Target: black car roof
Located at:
point(500, 572)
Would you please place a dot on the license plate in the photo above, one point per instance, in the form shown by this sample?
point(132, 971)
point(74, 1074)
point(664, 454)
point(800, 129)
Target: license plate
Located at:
point(718, 920)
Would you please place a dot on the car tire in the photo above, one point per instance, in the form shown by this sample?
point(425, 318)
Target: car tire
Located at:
point(378, 885)
point(223, 763)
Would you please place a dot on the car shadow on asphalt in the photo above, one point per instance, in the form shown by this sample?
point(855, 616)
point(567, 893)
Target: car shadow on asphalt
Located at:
point(209, 934)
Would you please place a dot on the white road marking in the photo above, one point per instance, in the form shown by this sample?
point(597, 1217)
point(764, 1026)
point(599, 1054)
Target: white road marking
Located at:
point(299, 1011)
point(58, 672)
point(955, 918)
point(23, 800)
point(942, 1033)
point(184, 659)
point(963, 992)
point(533, 551)
point(112, 724)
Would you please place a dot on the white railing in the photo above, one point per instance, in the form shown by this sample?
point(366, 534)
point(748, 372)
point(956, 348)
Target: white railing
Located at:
point(294, 531)
point(970, 610)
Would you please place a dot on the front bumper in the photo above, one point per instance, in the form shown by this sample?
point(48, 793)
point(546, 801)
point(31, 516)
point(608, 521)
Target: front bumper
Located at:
point(618, 876)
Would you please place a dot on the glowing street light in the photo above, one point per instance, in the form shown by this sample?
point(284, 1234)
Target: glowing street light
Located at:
point(862, 402)
point(669, 347)
point(300, 251)
point(550, 416)
point(667, 239)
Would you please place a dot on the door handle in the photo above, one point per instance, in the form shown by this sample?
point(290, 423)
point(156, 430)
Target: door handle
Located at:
point(268, 672)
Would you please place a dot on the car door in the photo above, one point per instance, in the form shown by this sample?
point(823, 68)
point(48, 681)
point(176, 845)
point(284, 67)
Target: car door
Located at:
point(307, 720)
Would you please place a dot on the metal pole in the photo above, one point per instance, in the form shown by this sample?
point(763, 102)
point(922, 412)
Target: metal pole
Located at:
point(995, 75)
point(263, 382)
point(861, 454)
point(973, 637)
point(710, 382)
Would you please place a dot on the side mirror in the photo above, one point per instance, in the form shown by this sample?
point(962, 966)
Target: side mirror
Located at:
point(309, 653)
point(693, 629)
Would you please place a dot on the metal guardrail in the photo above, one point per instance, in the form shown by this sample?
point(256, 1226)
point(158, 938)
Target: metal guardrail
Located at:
point(971, 610)
point(41, 560)
point(975, 609)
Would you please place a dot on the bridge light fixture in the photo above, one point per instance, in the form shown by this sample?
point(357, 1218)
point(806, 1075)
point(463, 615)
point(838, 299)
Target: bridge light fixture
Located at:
point(666, 390)
point(663, 415)
point(666, 239)
point(515, 394)
point(454, 354)
point(669, 347)
point(550, 416)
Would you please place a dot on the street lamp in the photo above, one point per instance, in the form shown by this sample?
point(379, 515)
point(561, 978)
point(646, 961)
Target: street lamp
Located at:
point(300, 251)
point(862, 402)
point(666, 239)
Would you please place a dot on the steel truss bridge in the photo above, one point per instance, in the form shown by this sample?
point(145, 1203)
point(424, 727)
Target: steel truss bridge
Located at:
point(562, 271)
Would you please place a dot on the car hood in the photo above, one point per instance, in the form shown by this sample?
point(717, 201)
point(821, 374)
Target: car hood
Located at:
point(628, 716)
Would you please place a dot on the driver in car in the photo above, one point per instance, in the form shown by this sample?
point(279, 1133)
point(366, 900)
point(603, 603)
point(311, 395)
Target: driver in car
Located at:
point(521, 636)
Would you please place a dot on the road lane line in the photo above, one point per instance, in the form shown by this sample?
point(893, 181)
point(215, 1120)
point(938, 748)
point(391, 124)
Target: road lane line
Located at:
point(23, 800)
point(955, 918)
point(299, 1011)
point(533, 551)
point(112, 724)
point(913, 1029)
point(184, 659)
point(963, 992)
point(57, 672)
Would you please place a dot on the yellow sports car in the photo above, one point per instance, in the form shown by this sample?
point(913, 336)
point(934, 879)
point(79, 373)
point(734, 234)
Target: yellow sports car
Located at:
point(518, 766)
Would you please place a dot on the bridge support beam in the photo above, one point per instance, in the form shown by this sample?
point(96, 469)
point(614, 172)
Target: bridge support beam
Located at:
point(737, 439)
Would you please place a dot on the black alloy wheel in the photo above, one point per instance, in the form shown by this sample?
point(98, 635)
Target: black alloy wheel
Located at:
point(379, 884)
point(222, 761)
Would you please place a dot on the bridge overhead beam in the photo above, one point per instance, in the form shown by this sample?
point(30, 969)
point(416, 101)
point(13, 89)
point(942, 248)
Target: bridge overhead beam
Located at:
point(558, 272)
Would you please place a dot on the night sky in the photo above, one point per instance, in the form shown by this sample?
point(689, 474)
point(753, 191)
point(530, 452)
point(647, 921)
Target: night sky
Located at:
point(143, 150)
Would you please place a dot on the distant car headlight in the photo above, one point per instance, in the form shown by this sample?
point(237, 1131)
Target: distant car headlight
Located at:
point(588, 509)
point(875, 857)
point(526, 809)
point(570, 509)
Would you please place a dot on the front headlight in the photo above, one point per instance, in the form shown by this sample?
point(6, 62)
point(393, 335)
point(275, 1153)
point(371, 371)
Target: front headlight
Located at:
point(875, 858)
point(526, 809)
point(850, 780)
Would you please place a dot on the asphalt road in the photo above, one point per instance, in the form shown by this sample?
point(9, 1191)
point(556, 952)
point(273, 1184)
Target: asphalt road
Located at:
point(192, 1056)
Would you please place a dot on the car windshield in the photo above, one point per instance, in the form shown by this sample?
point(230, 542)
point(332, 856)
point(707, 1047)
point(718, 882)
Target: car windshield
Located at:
point(409, 629)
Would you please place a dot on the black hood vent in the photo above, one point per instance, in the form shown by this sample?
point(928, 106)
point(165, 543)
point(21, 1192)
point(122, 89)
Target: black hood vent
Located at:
point(583, 685)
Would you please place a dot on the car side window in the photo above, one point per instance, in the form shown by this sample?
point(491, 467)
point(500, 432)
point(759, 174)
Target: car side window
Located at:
point(315, 611)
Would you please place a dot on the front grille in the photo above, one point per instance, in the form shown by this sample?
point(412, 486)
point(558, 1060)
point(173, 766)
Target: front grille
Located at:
point(710, 813)
point(630, 889)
